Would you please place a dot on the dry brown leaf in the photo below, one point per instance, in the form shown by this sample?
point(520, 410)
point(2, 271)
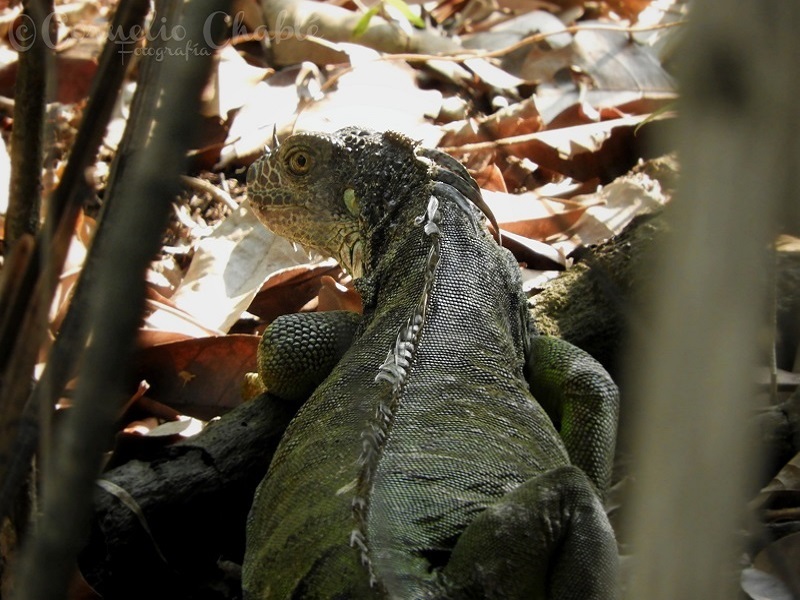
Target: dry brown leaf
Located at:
point(583, 152)
point(490, 178)
point(780, 559)
point(153, 337)
point(518, 119)
point(372, 93)
point(336, 296)
point(533, 254)
point(507, 32)
point(200, 378)
point(78, 50)
point(231, 83)
point(783, 490)
point(142, 426)
point(79, 589)
point(147, 406)
point(307, 30)
point(613, 206)
point(378, 94)
point(628, 9)
point(7, 17)
point(227, 270)
point(601, 68)
point(292, 289)
point(144, 438)
point(75, 71)
point(534, 217)
point(759, 585)
point(251, 128)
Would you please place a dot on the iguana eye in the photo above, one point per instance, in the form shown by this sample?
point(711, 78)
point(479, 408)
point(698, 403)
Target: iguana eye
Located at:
point(299, 161)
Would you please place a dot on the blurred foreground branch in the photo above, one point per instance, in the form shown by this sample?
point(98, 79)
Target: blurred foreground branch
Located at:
point(738, 148)
point(144, 203)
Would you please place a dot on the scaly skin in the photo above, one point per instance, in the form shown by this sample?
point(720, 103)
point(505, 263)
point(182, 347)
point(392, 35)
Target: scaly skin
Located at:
point(431, 472)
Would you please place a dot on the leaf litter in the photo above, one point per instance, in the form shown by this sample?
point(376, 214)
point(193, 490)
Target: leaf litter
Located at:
point(542, 105)
point(552, 106)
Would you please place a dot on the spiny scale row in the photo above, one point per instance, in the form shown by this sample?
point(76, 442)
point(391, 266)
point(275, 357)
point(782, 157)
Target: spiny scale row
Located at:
point(394, 371)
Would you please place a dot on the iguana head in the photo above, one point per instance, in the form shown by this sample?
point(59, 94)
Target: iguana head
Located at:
point(330, 192)
point(345, 193)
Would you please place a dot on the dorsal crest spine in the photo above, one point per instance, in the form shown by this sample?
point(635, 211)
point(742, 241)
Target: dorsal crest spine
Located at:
point(394, 371)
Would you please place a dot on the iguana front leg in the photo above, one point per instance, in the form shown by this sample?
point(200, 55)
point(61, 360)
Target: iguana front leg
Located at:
point(582, 401)
point(298, 351)
point(549, 539)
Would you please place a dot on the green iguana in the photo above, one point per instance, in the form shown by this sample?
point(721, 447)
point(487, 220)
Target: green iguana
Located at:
point(421, 466)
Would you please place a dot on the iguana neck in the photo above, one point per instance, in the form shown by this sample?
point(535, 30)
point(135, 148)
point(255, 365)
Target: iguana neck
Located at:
point(397, 251)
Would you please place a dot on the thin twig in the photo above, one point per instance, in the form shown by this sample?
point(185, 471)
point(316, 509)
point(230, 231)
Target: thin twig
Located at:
point(27, 135)
point(202, 185)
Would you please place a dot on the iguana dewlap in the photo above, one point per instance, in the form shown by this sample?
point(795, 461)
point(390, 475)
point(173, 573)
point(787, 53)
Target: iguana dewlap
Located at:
point(421, 466)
